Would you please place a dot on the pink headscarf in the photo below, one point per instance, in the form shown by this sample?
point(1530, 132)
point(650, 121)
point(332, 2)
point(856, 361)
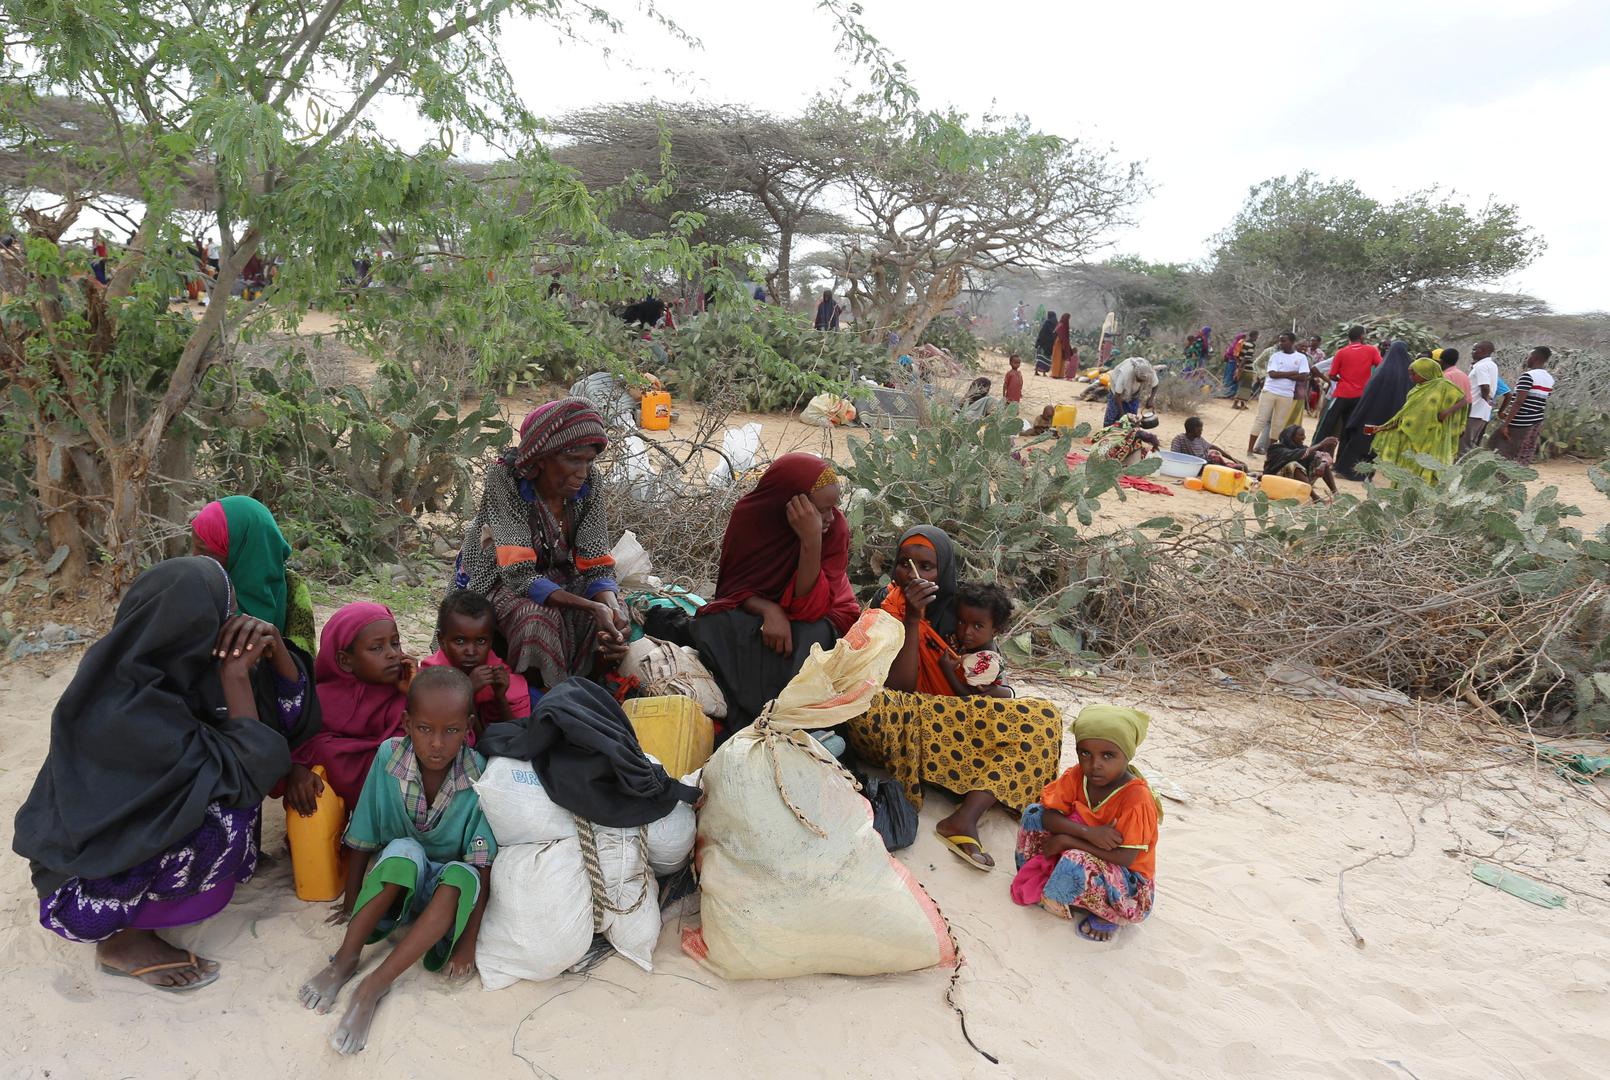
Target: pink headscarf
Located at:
point(358, 716)
point(212, 529)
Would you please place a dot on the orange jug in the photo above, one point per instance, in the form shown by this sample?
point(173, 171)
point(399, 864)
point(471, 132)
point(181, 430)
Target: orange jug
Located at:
point(656, 410)
point(1223, 480)
point(316, 845)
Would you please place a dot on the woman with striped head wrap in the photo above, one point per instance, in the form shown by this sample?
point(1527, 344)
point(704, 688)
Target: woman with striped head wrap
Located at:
point(539, 548)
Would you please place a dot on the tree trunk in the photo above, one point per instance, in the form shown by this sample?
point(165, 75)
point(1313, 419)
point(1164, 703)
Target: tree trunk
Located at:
point(128, 465)
point(777, 282)
point(53, 473)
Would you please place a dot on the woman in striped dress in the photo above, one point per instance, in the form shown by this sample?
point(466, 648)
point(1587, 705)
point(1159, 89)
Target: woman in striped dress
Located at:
point(539, 549)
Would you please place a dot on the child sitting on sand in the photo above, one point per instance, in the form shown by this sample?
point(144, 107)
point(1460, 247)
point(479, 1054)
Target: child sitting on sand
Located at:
point(982, 611)
point(361, 677)
point(419, 810)
point(465, 624)
point(1090, 844)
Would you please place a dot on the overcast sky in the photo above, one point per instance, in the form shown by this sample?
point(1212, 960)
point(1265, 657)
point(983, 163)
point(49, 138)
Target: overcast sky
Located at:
point(1503, 99)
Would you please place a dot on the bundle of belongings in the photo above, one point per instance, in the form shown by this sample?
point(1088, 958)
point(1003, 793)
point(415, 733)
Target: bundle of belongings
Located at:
point(794, 878)
point(585, 820)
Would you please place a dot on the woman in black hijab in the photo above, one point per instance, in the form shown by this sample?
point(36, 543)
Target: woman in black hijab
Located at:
point(1382, 398)
point(145, 812)
point(1044, 343)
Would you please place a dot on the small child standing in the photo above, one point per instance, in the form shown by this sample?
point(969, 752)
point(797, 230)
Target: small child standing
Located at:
point(1090, 844)
point(1012, 385)
point(361, 676)
point(465, 624)
point(982, 612)
point(419, 810)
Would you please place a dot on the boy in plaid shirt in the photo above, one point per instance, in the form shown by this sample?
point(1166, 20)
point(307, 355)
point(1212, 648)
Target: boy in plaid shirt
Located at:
point(419, 810)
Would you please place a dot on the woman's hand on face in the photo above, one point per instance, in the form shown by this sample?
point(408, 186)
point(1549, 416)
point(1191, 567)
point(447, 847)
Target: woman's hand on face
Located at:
point(804, 518)
point(243, 642)
point(920, 592)
point(777, 632)
point(245, 635)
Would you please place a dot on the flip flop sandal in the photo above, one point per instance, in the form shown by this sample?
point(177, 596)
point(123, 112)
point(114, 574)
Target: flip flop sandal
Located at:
point(207, 977)
point(959, 844)
point(1090, 923)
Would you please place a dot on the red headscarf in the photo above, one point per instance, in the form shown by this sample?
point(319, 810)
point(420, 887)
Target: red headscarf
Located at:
point(760, 551)
point(358, 716)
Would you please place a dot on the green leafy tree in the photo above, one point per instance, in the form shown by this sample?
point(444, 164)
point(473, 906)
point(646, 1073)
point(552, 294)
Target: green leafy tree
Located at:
point(1318, 249)
point(263, 110)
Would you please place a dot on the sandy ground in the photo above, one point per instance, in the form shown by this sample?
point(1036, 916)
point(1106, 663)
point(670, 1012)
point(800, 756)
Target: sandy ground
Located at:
point(1246, 968)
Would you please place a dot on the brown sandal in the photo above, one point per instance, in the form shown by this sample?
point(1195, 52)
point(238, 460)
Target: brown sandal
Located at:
point(207, 977)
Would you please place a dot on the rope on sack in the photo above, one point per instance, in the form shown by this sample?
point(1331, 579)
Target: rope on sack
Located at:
point(595, 873)
point(803, 741)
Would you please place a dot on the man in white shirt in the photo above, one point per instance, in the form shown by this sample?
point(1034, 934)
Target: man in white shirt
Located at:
point(1285, 391)
point(1483, 393)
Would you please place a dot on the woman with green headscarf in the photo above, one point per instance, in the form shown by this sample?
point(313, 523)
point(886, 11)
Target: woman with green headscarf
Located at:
point(1429, 422)
point(239, 532)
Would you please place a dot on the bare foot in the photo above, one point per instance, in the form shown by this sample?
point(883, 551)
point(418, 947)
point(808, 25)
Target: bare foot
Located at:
point(130, 950)
point(319, 992)
point(353, 1032)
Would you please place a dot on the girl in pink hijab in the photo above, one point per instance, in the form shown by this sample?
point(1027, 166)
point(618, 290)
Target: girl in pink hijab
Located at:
point(361, 676)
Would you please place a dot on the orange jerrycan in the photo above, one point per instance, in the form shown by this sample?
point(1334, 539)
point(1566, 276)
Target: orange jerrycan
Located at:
point(656, 410)
point(316, 845)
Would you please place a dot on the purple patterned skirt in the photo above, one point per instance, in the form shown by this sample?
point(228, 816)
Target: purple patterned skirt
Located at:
point(189, 882)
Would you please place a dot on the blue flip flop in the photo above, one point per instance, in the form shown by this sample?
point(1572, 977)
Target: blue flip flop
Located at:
point(1092, 923)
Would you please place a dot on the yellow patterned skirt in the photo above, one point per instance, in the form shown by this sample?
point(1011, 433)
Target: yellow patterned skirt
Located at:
point(1009, 747)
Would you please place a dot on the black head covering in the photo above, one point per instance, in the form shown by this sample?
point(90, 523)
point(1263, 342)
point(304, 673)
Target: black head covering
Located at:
point(1285, 450)
point(141, 741)
point(941, 613)
point(1048, 334)
point(584, 750)
point(1386, 390)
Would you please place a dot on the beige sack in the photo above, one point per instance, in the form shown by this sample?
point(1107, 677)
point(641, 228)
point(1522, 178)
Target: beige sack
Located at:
point(794, 879)
point(664, 670)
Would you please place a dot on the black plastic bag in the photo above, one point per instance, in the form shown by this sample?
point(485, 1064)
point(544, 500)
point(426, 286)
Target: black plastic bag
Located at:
point(892, 813)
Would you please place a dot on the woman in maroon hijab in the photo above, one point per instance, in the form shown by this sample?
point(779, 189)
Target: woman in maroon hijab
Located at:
point(784, 585)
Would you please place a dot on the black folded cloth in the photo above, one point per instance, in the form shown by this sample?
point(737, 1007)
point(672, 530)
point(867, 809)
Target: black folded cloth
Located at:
point(583, 749)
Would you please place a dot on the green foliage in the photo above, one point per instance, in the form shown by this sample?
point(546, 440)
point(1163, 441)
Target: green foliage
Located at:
point(1304, 224)
point(1420, 338)
point(954, 336)
point(1311, 248)
point(1581, 430)
point(1014, 522)
point(765, 357)
point(352, 475)
point(1160, 294)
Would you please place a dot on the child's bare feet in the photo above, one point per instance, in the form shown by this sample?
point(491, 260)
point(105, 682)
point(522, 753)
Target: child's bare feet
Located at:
point(352, 1033)
point(319, 992)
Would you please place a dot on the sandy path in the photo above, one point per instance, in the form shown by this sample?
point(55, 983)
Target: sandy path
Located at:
point(1244, 970)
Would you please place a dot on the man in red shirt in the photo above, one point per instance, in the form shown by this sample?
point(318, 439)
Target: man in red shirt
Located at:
point(1350, 369)
point(1012, 388)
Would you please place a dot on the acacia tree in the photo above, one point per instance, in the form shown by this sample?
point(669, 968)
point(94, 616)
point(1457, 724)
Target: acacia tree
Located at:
point(235, 98)
point(1320, 250)
point(936, 199)
point(732, 164)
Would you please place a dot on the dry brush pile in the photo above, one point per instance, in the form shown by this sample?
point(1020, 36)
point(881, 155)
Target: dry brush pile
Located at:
point(1467, 589)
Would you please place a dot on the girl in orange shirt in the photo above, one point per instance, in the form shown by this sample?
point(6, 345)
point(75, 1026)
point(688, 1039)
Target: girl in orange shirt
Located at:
point(1090, 844)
